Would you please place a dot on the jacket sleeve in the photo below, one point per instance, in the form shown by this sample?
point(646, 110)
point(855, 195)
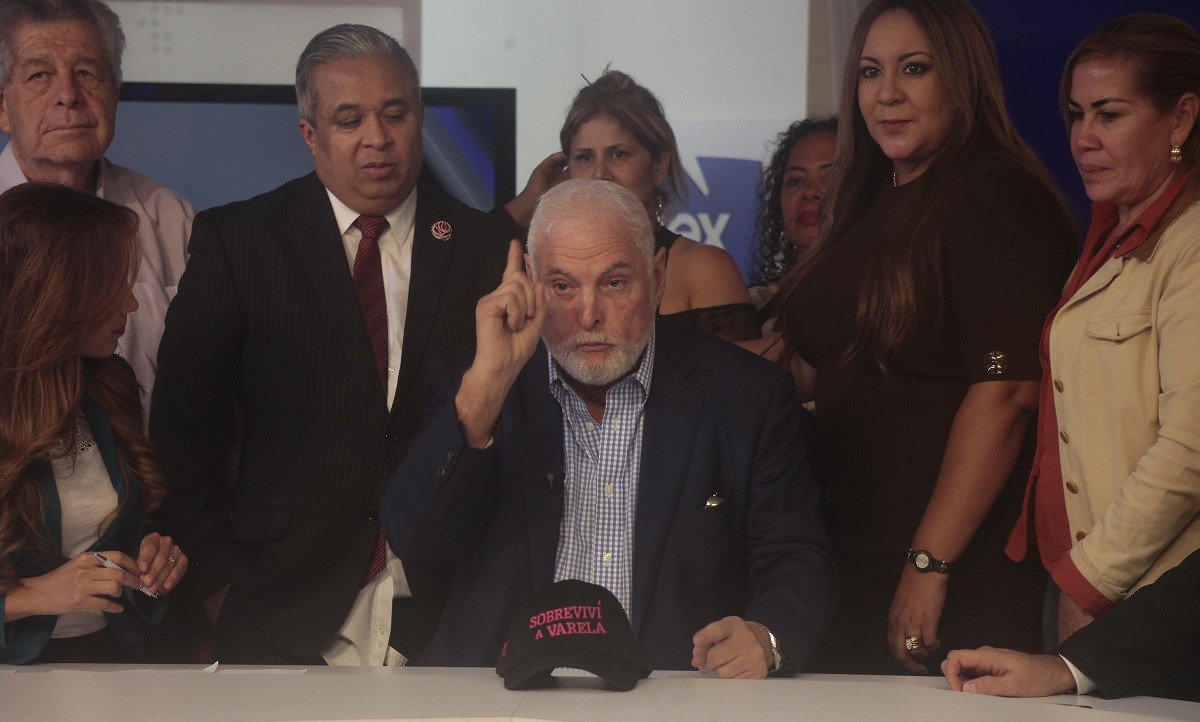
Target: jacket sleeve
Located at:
point(793, 578)
point(24, 639)
point(433, 499)
point(1145, 639)
point(192, 419)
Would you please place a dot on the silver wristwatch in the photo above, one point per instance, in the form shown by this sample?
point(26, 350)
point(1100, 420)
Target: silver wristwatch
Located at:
point(778, 659)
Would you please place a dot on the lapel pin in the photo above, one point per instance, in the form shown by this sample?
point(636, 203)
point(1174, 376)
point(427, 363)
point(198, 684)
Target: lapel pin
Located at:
point(713, 502)
point(442, 231)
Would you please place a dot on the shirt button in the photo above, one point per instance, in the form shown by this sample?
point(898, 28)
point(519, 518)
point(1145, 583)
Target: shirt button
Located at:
point(1072, 488)
point(391, 368)
point(1063, 435)
point(1079, 535)
point(607, 558)
point(1058, 385)
point(589, 426)
point(608, 489)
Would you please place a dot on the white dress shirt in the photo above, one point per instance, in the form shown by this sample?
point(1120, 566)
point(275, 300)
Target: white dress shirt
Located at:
point(363, 638)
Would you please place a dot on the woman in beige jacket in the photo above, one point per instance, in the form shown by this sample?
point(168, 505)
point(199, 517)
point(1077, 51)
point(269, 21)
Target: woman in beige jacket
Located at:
point(1115, 491)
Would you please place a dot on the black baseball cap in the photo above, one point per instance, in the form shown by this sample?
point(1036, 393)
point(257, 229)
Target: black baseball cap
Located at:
point(574, 624)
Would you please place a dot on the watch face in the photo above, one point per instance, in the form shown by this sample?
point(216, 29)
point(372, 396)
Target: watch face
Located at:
point(922, 561)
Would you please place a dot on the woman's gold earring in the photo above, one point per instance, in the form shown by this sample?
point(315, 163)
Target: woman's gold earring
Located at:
point(1176, 154)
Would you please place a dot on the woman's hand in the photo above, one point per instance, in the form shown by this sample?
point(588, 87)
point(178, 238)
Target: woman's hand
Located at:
point(80, 584)
point(161, 563)
point(916, 610)
point(549, 173)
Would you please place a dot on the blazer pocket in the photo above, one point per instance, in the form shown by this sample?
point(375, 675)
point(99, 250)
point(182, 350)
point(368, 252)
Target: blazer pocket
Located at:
point(1119, 327)
point(260, 523)
point(711, 513)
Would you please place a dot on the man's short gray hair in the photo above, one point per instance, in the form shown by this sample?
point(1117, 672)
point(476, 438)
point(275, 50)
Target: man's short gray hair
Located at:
point(345, 42)
point(15, 13)
point(591, 201)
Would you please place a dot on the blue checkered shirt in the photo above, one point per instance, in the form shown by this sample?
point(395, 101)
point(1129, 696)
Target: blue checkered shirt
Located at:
point(603, 459)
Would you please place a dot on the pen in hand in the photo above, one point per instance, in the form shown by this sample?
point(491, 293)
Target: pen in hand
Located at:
point(110, 564)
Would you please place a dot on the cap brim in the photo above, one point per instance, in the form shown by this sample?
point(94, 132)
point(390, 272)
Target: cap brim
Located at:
point(532, 671)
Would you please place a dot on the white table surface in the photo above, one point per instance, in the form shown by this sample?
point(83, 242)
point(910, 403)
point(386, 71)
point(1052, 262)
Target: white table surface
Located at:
point(98, 693)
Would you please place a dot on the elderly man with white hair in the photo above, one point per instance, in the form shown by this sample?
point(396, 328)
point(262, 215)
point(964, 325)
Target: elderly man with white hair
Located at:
point(585, 438)
point(60, 73)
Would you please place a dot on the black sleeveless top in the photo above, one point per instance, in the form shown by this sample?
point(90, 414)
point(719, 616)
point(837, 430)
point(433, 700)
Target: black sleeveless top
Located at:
point(731, 321)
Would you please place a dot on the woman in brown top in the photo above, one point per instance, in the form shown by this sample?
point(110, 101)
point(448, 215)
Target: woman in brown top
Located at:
point(616, 131)
point(919, 307)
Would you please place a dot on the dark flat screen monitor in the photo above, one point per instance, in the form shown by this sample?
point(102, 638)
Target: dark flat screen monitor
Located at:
point(216, 143)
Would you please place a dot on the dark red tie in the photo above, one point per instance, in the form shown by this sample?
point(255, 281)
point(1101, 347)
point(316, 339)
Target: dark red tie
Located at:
point(368, 282)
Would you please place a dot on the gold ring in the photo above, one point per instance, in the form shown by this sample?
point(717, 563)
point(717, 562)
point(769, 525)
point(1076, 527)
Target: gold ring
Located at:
point(172, 561)
point(912, 644)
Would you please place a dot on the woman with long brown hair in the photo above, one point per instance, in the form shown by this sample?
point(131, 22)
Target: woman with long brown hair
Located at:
point(78, 478)
point(944, 245)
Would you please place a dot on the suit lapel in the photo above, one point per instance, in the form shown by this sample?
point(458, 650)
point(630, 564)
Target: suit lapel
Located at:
point(430, 260)
point(106, 443)
point(669, 432)
point(312, 226)
point(541, 427)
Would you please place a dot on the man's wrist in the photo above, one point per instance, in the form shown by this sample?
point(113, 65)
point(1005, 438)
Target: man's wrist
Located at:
point(1083, 683)
point(477, 410)
point(772, 652)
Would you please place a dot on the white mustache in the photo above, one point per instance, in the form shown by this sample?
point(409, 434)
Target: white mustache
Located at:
point(582, 339)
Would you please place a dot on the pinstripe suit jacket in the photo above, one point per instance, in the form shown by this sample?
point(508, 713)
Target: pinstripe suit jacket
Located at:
point(266, 321)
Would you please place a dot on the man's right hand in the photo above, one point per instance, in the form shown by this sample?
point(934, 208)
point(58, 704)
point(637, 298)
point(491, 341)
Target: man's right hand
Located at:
point(508, 325)
point(1005, 673)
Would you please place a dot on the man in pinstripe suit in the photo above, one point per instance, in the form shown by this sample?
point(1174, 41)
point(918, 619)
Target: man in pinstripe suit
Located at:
point(314, 310)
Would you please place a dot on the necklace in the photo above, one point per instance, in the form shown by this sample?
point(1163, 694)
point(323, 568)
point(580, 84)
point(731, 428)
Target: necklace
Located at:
point(893, 177)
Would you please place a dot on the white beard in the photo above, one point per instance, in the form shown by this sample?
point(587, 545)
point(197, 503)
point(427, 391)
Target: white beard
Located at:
point(622, 358)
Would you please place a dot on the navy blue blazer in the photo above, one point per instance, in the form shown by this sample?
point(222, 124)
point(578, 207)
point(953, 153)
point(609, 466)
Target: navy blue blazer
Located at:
point(24, 639)
point(1148, 644)
point(718, 420)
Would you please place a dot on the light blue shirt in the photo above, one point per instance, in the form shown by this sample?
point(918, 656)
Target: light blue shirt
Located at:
point(602, 460)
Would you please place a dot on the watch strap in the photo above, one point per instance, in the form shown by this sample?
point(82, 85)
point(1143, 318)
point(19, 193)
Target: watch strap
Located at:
point(934, 564)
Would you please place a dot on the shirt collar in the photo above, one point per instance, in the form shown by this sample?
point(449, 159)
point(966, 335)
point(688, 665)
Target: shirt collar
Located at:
point(1105, 218)
point(12, 175)
point(401, 219)
point(645, 369)
point(102, 176)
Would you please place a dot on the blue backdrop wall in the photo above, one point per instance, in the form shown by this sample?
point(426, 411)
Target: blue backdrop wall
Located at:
point(1033, 39)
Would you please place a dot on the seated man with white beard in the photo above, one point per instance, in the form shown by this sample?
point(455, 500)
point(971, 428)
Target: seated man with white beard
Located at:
point(585, 438)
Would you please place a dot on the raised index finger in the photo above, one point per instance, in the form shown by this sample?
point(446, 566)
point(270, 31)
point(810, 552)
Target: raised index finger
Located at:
point(516, 259)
